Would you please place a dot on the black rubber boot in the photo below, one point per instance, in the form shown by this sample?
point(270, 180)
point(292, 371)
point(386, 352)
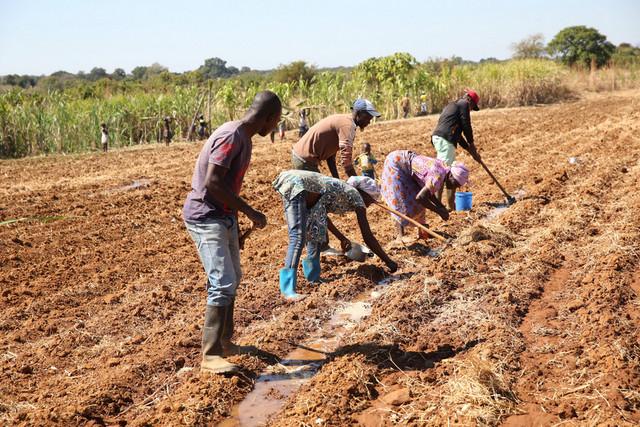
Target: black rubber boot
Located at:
point(228, 347)
point(227, 326)
point(212, 360)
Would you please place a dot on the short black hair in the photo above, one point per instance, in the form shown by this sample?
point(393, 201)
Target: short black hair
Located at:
point(265, 104)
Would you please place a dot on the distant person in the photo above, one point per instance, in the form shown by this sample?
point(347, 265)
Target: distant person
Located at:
point(405, 104)
point(454, 122)
point(330, 135)
point(210, 215)
point(167, 133)
point(423, 105)
point(105, 137)
point(303, 125)
point(366, 161)
point(202, 127)
point(281, 128)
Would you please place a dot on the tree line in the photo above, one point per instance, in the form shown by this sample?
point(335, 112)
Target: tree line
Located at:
point(573, 46)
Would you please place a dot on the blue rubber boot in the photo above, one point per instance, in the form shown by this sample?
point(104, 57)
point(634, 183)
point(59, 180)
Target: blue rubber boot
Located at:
point(311, 269)
point(288, 284)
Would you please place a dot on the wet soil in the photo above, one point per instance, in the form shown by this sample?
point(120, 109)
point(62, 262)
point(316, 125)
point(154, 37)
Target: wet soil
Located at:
point(529, 317)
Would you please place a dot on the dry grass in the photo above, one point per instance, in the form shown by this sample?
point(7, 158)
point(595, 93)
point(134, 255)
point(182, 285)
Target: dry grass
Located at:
point(479, 390)
point(476, 392)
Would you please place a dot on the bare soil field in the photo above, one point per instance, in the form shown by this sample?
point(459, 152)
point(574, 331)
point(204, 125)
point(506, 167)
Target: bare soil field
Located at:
point(530, 316)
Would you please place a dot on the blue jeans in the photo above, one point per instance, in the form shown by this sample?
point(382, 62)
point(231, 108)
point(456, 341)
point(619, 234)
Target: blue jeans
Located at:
point(295, 212)
point(219, 251)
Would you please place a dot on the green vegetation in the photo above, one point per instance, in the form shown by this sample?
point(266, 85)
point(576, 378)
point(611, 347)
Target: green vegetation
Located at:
point(63, 121)
point(62, 112)
point(581, 45)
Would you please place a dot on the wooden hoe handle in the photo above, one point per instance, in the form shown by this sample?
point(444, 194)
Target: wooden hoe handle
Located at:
point(411, 220)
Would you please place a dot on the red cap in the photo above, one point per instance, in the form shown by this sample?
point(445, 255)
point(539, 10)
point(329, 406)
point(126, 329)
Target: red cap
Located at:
point(474, 97)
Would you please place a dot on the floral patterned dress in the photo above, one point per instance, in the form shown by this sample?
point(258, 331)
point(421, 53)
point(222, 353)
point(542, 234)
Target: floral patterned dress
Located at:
point(404, 174)
point(336, 197)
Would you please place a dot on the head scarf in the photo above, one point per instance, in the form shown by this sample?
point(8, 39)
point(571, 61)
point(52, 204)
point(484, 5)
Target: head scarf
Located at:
point(366, 184)
point(460, 173)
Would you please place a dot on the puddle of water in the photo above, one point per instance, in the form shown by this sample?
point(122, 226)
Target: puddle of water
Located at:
point(434, 252)
point(280, 381)
point(496, 212)
point(138, 183)
point(574, 160)
point(500, 208)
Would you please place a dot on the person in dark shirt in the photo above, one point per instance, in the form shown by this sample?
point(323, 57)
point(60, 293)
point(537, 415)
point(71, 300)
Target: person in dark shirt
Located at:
point(202, 127)
point(453, 128)
point(167, 133)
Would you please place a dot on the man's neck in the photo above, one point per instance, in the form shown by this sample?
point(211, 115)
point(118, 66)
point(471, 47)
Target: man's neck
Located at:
point(249, 126)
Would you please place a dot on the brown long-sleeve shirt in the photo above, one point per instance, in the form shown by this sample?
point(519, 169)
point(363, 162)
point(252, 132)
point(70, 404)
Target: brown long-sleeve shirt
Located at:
point(327, 137)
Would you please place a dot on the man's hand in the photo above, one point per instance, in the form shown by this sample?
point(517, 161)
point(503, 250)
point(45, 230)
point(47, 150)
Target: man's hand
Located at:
point(345, 245)
point(258, 218)
point(474, 153)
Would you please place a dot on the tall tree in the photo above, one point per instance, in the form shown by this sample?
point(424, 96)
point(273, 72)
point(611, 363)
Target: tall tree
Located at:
point(154, 69)
point(530, 47)
point(97, 73)
point(297, 70)
point(139, 72)
point(579, 44)
point(216, 67)
point(118, 74)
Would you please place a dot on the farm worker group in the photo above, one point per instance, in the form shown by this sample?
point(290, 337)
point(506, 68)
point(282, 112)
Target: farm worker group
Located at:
point(410, 184)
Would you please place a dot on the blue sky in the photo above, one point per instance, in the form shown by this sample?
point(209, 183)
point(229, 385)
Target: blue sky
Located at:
point(40, 37)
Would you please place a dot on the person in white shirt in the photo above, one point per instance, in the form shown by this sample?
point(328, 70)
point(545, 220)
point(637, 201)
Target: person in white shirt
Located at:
point(105, 137)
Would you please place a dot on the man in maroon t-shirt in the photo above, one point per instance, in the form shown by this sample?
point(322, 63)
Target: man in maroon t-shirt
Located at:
point(211, 216)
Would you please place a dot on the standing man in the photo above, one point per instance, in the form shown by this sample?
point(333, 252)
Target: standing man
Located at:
point(330, 135)
point(455, 121)
point(405, 104)
point(202, 127)
point(211, 217)
point(303, 126)
point(167, 133)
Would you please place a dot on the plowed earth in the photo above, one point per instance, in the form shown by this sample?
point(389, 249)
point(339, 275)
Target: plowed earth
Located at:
point(531, 317)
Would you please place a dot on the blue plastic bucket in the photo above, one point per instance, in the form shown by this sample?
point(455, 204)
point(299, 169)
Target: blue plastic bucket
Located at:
point(463, 200)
